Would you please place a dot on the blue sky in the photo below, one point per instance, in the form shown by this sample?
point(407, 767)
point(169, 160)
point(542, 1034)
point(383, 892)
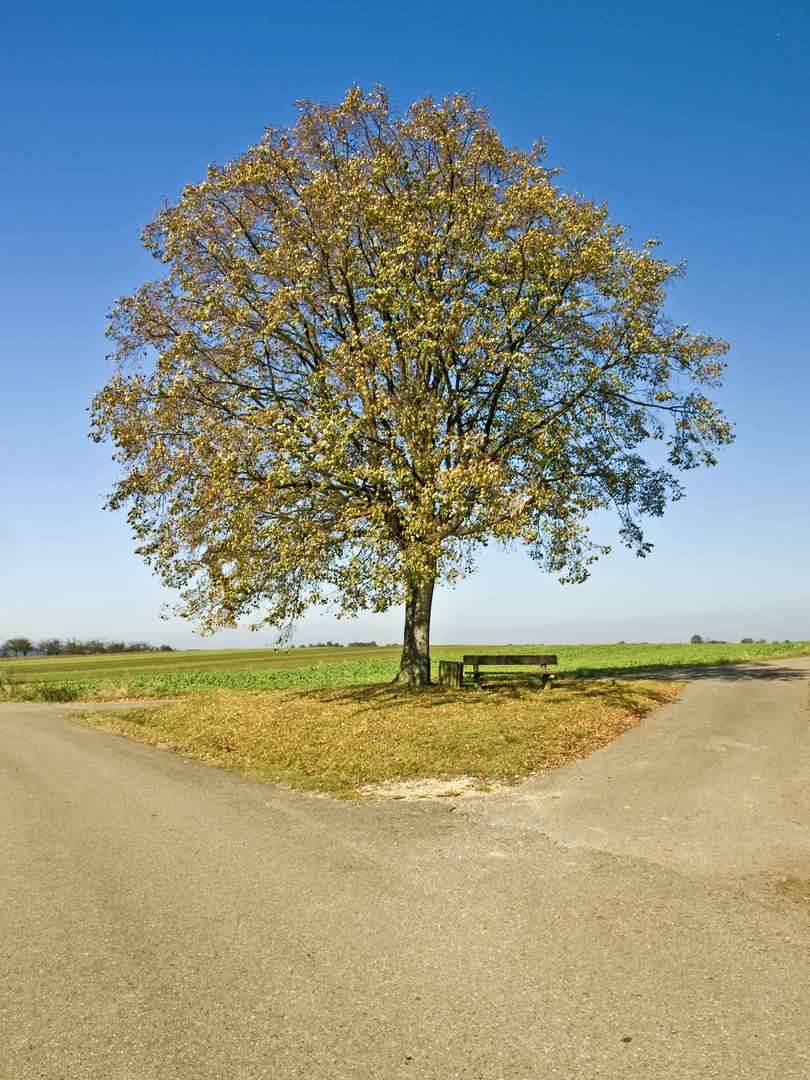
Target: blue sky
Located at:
point(689, 118)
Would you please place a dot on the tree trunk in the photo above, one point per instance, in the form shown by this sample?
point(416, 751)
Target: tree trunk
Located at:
point(414, 669)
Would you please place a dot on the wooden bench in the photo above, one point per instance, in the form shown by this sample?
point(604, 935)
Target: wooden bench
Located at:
point(496, 661)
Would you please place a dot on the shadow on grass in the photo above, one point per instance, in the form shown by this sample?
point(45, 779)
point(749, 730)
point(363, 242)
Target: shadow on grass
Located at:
point(519, 684)
point(495, 688)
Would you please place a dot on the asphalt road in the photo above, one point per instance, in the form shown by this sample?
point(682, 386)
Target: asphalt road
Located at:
point(640, 914)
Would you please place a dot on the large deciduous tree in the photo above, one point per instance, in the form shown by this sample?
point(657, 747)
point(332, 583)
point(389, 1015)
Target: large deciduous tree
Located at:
point(379, 340)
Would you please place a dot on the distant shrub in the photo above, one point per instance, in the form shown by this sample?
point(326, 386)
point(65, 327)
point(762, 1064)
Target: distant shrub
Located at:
point(747, 641)
point(108, 691)
point(51, 693)
point(362, 644)
point(58, 693)
point(696, 639)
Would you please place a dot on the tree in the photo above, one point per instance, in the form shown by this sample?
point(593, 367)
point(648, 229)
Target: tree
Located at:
point(139, 646)
point(95, 647)
point(20, 646)
point(50, 646)
point(380, 340)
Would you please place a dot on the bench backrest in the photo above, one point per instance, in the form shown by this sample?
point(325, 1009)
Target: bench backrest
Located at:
point(535, 661)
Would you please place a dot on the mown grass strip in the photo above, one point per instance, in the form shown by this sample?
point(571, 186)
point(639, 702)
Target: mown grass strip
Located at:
point(339, 740)
point(119, 667)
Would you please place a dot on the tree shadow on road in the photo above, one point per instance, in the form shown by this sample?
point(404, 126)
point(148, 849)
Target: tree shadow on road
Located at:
point(767, 669)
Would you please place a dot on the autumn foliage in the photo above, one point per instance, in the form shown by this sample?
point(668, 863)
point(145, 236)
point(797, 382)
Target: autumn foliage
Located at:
point(378, 341)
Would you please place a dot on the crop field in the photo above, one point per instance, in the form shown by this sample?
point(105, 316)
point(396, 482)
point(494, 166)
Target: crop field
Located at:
point(152, 675)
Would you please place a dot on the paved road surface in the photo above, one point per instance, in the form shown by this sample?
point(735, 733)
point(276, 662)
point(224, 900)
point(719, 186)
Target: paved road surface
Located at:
point(637, 915)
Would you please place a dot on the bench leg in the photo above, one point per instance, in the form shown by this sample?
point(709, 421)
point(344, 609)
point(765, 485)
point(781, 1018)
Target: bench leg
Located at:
point(476, 676)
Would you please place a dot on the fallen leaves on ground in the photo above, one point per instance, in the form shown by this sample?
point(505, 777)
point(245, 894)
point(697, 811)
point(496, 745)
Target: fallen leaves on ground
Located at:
point(338, 739)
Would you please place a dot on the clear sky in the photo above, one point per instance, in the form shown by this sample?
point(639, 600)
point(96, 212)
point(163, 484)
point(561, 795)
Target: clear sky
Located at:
point(690, 118)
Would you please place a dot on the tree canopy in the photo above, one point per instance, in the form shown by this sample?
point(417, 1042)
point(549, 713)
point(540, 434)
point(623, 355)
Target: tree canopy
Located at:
point(379, 340)
point(20, 646)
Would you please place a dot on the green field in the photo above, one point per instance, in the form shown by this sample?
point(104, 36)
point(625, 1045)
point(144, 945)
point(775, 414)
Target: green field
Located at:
point(145, 675)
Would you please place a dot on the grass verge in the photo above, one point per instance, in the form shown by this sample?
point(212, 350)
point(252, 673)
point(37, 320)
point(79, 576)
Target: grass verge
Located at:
point(342, 740)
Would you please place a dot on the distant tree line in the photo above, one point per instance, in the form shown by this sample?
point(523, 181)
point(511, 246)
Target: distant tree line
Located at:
point(696, 639)
point(338, 645)
point(23, 646)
